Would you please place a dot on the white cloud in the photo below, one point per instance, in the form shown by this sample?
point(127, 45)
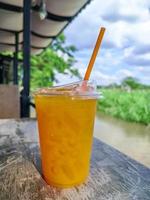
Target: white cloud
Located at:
point(103, 79)
point(142, 72)
point(124, 73)
point(126, 42)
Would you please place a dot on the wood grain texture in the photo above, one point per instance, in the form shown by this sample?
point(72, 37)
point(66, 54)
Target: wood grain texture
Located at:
point(113, 175)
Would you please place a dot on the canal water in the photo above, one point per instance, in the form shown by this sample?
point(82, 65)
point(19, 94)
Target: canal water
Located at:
point(132, 139)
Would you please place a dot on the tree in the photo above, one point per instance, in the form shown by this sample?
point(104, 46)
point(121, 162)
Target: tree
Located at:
point(58, 58)
point(131, 82)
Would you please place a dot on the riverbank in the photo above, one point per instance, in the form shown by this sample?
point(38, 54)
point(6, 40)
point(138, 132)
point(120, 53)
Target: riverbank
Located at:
point(130, 106)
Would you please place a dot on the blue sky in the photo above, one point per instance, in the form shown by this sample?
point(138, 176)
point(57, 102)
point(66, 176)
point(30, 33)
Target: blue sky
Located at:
point(126, 46)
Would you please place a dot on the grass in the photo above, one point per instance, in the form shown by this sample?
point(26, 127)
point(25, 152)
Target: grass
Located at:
point(131, 106)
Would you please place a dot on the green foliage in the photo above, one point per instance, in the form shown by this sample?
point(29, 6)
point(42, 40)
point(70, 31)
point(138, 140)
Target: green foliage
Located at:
point(130, 106)
point(131, 82)
point(59, 45)
point(128, 82)
point(45, 66)
point(58, 58)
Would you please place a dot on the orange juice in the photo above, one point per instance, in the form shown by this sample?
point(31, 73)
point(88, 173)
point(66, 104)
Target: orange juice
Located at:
point(65, 130)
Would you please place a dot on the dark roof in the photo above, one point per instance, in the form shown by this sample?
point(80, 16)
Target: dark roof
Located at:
point(59, 14)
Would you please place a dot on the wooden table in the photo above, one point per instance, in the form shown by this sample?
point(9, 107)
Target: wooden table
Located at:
point(113, 175)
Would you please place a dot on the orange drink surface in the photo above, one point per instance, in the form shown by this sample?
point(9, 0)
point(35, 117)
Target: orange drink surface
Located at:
point(65, 131)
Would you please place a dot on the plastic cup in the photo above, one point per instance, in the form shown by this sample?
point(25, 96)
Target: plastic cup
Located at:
point(65, 120)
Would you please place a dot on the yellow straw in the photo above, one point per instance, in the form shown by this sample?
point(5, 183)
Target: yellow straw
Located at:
point(94, 54)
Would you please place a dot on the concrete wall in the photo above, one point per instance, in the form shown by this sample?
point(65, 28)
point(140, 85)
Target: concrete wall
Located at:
point(9, 101)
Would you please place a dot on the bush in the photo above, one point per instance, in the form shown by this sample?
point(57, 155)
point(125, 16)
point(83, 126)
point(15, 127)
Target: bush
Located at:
point(130, 106)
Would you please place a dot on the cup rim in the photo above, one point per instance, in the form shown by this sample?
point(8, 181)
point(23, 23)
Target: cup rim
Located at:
point(51, 91)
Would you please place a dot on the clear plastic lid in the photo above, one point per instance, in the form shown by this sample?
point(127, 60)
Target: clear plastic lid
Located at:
point(81, 88)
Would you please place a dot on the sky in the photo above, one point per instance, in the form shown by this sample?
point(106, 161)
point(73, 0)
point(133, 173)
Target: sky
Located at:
point(125, 49)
